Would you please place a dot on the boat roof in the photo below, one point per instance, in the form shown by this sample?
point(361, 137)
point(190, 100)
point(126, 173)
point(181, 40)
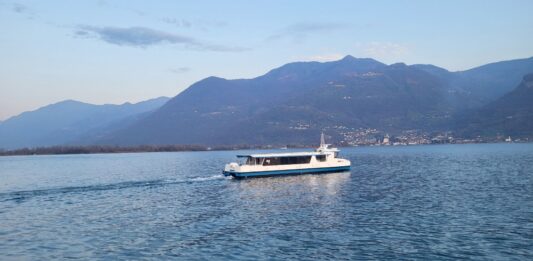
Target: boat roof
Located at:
point(285, 154)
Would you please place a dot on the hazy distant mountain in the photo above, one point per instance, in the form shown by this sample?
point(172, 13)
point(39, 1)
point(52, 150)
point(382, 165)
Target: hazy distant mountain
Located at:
point(510, 115)
point(64, 121)
point(441, 73)
point(485, 83)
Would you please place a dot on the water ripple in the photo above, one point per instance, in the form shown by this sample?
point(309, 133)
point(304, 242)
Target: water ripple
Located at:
point(472, 202)
point(20, 196)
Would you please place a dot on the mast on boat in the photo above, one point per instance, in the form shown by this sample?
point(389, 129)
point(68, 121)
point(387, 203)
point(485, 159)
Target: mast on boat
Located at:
point(323, 145)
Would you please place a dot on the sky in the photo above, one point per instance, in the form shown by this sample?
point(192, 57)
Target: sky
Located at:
point(127, 51)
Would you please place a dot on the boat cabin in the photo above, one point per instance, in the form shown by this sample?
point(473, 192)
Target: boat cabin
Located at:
point(283, 158)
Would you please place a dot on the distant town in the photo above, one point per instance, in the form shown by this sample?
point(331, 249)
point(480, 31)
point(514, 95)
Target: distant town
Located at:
point(374, 137)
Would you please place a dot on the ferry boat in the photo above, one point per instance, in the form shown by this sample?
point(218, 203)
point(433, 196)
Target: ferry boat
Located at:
point(324, 159)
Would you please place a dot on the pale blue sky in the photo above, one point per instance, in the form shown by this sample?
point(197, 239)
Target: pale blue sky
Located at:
point(118, 51)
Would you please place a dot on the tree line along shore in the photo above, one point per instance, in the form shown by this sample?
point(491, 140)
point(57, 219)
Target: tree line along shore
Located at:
point(100, 149)
point(105, 149)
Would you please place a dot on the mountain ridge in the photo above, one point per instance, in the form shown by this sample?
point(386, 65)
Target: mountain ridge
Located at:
point(61, 122)
point(356, 92)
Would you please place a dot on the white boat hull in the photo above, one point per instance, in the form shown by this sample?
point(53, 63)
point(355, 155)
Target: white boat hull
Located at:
point(296, 171)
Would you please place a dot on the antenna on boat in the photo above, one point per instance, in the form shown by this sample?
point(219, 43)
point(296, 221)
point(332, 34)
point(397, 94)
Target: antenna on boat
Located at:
point(322, 140)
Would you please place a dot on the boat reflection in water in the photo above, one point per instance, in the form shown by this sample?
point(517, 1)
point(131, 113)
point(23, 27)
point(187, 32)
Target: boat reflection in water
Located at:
point(312, 186)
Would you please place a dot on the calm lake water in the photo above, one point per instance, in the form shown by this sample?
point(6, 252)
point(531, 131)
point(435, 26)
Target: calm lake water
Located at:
point(421, 202)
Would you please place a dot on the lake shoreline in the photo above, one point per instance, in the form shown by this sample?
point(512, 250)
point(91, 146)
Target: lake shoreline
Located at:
point(78, 150)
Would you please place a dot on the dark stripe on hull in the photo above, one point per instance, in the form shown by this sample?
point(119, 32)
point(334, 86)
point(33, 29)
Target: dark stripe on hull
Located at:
point(285, 172)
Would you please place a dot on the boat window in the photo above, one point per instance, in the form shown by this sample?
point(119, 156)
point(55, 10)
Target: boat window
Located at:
point(321, 158)
point(286, 160)
point(250, 161)
point(271, 162)
point(336, 154)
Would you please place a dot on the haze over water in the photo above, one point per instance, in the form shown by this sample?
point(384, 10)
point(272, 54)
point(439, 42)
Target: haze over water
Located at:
point(422, 202)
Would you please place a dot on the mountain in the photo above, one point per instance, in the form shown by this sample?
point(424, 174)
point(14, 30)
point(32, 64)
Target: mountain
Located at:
point(483, 84)
point(510, 115)
point(293, 103)
point(65, 121)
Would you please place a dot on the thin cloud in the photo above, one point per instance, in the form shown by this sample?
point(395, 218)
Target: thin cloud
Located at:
point(299, 32)
point(133, 36)
point(144, 37)
point(177, 22)
point(23, 10)
point(180, 70)
point(19, 8)
point(207, 25)
point(204, 25)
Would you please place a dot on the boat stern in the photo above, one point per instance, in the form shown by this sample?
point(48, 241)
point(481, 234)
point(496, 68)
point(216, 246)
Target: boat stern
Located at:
point(230, 169)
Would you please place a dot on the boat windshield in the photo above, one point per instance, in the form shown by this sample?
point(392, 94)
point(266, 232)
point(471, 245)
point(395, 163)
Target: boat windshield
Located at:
point(321, 158)
point(242, 160)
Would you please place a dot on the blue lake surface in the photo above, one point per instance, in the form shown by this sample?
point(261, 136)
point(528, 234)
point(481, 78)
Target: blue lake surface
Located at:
point(438, 202)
